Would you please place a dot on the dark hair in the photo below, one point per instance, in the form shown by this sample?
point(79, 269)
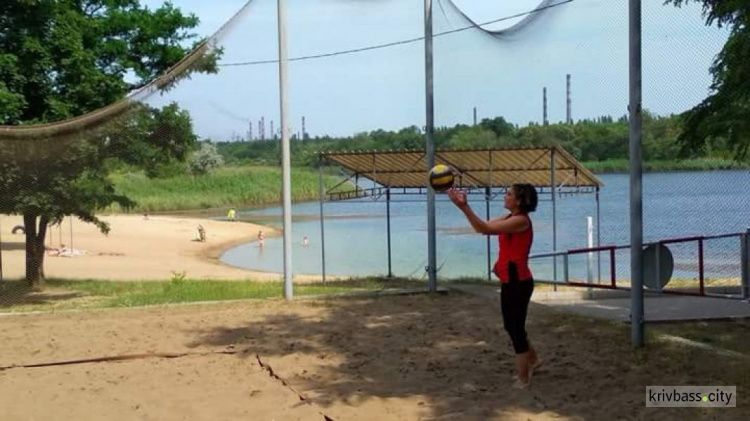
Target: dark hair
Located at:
point(526, 194)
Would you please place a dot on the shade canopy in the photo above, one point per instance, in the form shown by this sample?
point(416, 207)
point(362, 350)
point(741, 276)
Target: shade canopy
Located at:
point(475, 168)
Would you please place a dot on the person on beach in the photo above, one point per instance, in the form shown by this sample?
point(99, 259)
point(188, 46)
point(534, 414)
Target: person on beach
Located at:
point(515, 236)
point(261, 239)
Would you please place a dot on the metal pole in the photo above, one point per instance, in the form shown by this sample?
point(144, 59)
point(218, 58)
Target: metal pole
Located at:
point(701, 269)
point(745, 261)
point(1, 252)
point(569, 118)
point(286, 175)
point(429, 128)
point(598, 238)
point(71, 232)
point(321, 195)
point(590, 255)
point(487, 193)
point(657, 260)
point(636, 178)
point(388, 222)
point(488, 196)
point(554, 216)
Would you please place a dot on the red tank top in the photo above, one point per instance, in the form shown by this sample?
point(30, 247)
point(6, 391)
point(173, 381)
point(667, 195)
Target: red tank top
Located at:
point(514, 248)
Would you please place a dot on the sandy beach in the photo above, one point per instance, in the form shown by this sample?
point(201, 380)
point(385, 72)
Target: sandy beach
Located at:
point(390, 358)
point(137, 248)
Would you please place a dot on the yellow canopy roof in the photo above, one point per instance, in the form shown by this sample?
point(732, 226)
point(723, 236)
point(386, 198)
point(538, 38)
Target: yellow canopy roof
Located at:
point(475, 168)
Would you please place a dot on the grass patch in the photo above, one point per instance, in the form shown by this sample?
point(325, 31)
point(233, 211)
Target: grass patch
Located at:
point(16, 296)
point(227, 186)
point(733, 335)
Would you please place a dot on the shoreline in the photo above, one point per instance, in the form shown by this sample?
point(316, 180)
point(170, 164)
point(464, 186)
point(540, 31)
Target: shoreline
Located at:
point(157, 248)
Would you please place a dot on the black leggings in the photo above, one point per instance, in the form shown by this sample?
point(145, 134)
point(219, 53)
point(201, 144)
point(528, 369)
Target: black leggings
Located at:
point(514, 299)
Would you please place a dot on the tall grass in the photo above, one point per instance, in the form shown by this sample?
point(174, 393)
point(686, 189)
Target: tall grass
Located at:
point(227, 186)
point(699, 164)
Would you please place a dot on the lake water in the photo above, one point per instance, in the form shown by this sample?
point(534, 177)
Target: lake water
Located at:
point(674, 205)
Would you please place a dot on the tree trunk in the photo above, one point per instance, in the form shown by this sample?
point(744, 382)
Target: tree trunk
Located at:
point(35, 250)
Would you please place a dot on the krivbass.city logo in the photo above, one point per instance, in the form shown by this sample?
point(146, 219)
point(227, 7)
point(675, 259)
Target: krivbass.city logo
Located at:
point(691, 396)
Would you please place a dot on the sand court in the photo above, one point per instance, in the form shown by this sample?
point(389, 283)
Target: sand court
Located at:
point(387, 358)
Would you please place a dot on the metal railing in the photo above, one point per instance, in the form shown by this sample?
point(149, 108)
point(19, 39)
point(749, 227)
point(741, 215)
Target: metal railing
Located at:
point(703, 288)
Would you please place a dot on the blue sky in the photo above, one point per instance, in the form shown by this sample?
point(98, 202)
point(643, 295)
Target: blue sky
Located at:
point(384, 88)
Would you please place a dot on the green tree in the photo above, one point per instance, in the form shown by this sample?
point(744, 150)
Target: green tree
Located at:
point(725, 113)
point(63, 58)
point(205, 159)
point(473, 138)
point(498, 125)
point(152, 138)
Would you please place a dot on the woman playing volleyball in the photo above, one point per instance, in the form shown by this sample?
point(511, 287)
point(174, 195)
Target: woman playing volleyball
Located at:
point(515, 235)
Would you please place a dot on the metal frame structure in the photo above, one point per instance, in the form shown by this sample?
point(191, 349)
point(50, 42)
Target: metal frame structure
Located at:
point(488, 172)
point(702, 290)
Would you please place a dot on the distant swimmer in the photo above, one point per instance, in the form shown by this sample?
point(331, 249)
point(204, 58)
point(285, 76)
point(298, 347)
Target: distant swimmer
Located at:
point(261, 239)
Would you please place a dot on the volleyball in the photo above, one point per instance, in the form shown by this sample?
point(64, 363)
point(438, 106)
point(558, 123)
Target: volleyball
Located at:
point(441, 177)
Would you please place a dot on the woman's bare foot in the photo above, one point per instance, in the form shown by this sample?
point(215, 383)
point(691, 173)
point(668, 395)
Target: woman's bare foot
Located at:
point(519, 384)
point(534, 361)
point(535, 368)
point(523, 370)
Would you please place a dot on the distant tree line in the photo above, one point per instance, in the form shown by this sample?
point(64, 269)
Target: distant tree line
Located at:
point(600, 139)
